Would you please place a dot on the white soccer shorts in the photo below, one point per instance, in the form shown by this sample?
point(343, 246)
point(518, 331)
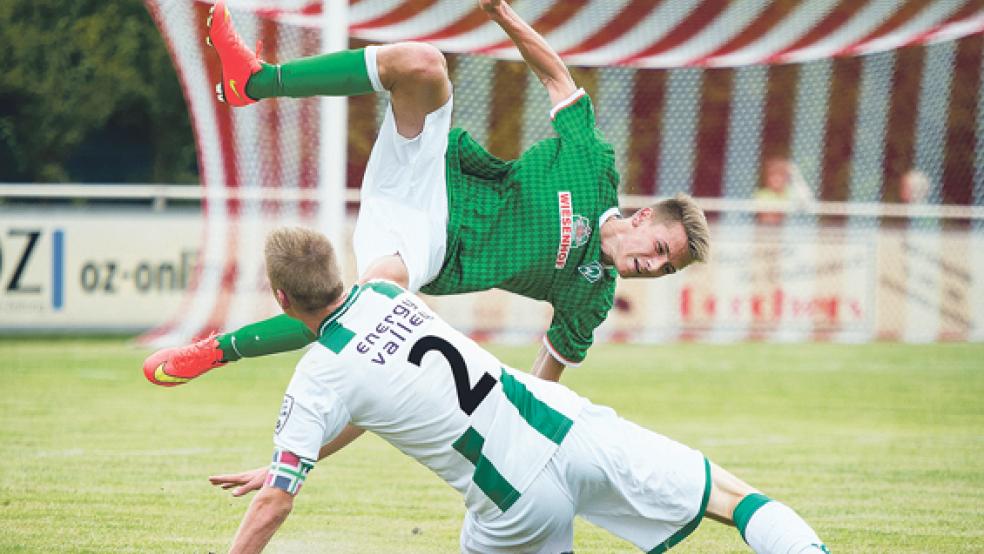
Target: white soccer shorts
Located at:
point(404, 205)
point(639, 485)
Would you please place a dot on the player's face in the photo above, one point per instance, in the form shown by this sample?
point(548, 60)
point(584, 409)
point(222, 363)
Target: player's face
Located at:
point(652, 249)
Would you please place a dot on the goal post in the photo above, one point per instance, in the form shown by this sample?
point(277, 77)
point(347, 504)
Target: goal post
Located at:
point(331, 218)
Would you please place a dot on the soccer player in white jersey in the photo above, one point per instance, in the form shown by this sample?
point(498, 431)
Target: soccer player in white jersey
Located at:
point(526, 454)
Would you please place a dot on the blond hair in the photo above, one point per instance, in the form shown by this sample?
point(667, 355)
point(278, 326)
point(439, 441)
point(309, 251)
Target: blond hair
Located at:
point(684, 209)
point(301, 262)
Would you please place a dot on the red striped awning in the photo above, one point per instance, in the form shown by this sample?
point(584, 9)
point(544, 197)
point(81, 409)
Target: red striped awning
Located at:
point(659, 33)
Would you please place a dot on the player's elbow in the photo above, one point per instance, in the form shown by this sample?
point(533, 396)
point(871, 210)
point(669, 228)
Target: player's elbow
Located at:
point(560, 86)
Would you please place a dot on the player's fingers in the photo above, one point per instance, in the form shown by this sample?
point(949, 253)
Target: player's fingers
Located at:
point(243, 490)
point(252, 485)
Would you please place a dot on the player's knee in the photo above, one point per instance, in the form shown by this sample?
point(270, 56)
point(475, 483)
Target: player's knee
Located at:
point(423, 63)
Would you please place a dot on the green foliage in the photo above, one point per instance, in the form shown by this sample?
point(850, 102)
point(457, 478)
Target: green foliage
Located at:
point(878, 446)
point(70, 70)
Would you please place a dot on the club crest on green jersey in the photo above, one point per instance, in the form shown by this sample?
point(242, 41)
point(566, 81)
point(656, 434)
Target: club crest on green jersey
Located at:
point(592, 271)
point(582, 231)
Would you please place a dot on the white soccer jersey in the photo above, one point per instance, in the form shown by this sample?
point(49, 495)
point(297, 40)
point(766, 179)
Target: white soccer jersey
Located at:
point(386, 363)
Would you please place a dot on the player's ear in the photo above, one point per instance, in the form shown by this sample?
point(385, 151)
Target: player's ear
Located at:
point(282, 299)
point(641, 216)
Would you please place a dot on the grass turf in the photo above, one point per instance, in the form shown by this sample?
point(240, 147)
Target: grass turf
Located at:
point(880, 447)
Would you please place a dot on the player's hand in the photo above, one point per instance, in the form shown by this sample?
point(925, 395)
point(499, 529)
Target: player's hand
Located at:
point(490, 6)
point(245, 482)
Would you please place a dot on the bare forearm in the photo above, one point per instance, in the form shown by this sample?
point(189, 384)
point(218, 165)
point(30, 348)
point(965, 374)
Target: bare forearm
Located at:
point(266, 514)
point(539, 56)
point(349, 434)
point(546, 366)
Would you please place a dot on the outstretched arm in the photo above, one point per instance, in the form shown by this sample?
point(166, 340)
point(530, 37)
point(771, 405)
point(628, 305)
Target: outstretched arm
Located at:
point(348, 434)
point(546, 366)
point(266, 514)
point(539, 56)
point(249, 481)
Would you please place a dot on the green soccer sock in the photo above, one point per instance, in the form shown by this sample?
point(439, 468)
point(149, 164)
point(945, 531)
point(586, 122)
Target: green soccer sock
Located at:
point(746, 508)
point(335, 74)
point(270, 336)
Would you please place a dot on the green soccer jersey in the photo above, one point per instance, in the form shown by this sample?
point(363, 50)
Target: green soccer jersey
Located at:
point(531, 225)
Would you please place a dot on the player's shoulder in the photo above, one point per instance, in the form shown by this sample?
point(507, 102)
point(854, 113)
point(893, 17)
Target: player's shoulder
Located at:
point(574, 121)
point(363, 296)
point(362, 304)
point(317, 369)
point(383, 287)
point(370, 306)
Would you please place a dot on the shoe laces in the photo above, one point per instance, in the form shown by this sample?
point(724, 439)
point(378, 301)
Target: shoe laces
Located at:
point(201, 347)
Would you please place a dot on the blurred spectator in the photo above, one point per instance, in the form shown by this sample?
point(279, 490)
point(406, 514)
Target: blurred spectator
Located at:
point(913, 187)
point(782, 181)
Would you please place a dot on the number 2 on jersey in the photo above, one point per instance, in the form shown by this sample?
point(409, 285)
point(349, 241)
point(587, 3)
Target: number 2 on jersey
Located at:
point(468, 398)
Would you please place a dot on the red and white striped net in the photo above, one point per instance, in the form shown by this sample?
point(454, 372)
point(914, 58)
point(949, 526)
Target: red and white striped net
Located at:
point(695, 96)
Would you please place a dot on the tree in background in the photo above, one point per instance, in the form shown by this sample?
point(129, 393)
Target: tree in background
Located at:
point(88, 93)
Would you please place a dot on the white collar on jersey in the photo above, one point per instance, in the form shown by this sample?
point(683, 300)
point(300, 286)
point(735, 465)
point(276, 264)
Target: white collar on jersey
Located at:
point(609, 213)
point(337, 312)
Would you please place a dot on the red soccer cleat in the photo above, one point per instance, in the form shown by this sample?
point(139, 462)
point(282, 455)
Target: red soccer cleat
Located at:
point(171, 367)
point(238, 62)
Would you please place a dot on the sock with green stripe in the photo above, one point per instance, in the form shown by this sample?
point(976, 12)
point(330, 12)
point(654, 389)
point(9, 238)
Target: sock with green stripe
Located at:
point(281, 333)
point(345, 73)
point(772, 527)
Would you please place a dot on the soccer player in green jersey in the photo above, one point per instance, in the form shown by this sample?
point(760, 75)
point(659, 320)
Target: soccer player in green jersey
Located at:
point(441, 215)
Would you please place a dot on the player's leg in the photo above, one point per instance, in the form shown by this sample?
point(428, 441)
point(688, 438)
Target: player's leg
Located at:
point(540, 521)
point(175, 366)
point(401, 230)
point(639, 485)
point(654, 491)
point(765, 524)
point(415, 74)
point(246, 78)
point(390, 267)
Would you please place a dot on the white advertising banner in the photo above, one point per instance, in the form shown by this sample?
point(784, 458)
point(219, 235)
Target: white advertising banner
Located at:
point(100, 271)
point(94, 271)
point(805, 287)
point(780, 283)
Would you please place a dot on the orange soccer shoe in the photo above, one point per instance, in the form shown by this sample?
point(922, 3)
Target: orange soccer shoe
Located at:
point(239, 63)
point(170, 367)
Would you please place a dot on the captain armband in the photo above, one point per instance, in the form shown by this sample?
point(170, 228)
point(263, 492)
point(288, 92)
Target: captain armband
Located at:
point(288, 471)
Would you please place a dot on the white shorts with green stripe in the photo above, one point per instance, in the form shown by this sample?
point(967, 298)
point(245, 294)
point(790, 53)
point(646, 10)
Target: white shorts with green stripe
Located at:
point(641, 486)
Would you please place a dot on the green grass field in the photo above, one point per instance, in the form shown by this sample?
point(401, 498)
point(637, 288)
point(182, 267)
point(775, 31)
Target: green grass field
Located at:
point(880, 447)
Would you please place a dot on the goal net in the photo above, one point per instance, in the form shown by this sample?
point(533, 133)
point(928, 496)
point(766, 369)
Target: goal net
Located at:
point(837, 145)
